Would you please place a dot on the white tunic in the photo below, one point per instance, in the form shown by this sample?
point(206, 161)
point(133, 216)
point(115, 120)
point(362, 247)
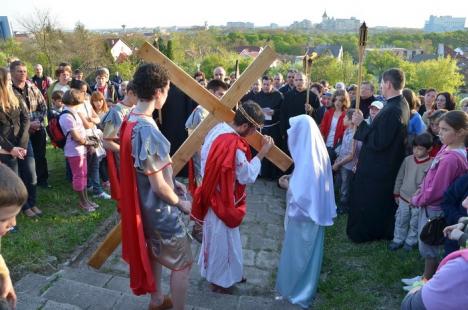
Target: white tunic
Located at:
point(221, 257)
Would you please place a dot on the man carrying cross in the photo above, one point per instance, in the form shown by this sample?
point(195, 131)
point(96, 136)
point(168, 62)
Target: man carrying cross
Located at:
point(220, 202)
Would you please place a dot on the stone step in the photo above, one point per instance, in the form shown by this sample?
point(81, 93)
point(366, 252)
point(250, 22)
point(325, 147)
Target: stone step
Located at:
point(30, 302)
point(32, 284)
point(74, 289)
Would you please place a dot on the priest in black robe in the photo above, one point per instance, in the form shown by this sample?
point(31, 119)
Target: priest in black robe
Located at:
point(367, 97)
point(295, 103)
point(254, 91)
point(270, 100)
point(372, 205)
point(175, 112)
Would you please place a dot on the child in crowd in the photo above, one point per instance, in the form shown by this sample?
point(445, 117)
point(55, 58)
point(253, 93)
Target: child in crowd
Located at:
point(57, 104)
point(409, 178)
point(75, 149)
point(433, 129)
point(347, 159)
point(13, 195)
point(100, 107)
point(374, 109)
point(90, 121)
point(449, 164)
point(99, 104)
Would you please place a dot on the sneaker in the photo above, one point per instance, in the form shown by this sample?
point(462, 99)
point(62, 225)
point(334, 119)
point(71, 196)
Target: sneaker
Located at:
point(103, 195)
point(408, 248)
point(393, 246)
point(415, 284)
point(410, 281)
point(86, 208)
point(89, 189)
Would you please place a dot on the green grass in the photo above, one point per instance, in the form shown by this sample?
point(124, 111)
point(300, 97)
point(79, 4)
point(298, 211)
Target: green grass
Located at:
point(42, 244)
point(362, 276)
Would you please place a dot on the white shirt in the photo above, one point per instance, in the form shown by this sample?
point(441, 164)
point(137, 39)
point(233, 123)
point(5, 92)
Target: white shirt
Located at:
point(331, 133)
point(246, 172)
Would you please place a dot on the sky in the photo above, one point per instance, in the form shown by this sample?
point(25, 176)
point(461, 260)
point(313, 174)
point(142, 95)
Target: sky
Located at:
point(99, 14)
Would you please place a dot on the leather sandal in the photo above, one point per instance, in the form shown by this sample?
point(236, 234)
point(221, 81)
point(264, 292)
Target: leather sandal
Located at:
point(166, 304)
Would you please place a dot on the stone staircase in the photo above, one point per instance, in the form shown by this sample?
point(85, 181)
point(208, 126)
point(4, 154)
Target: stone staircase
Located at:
point(84, 288)
point(78, 286)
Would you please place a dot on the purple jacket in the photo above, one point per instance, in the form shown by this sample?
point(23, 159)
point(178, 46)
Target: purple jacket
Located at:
point(446, 167)
point(449, 286)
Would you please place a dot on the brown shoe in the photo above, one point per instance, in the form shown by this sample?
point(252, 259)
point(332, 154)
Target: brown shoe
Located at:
point(37, 211)
point(166, 304)
point(222, 290)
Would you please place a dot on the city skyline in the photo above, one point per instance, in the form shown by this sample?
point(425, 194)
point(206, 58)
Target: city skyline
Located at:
point(184, 13)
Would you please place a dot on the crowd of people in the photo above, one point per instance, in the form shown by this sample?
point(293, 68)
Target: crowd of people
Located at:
point(398, 161)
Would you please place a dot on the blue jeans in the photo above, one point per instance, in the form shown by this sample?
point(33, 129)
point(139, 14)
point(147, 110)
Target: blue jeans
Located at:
point(93, 173)
point(26, 170)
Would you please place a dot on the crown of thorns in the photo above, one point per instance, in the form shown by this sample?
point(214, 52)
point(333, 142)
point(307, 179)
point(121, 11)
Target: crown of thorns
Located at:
point(248, 117)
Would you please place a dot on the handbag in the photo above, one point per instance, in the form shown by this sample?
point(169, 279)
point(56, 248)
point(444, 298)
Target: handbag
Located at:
point(432, 232)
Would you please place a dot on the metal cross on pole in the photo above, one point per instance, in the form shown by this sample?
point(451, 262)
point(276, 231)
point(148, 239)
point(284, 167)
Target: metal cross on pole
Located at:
point(220, 110)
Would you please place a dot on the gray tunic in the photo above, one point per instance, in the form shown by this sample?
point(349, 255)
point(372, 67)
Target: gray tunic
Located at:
point(164, 229)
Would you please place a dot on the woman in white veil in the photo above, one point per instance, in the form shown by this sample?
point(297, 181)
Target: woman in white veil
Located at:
point(310, 207)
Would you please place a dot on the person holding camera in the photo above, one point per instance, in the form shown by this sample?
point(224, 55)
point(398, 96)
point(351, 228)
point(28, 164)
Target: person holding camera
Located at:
point(76, 146)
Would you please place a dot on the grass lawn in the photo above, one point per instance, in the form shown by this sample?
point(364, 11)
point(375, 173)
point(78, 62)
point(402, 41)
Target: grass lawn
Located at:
point(362, 276)
point(40, 245)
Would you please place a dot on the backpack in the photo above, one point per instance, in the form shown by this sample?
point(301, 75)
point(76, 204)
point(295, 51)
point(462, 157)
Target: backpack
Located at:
point(55, 132)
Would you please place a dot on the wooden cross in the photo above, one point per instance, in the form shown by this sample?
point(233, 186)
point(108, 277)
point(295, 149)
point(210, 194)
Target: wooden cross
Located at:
point(220, 110)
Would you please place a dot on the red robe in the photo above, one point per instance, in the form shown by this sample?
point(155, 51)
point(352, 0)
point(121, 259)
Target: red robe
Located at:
point(220, 173)
point(134, 249)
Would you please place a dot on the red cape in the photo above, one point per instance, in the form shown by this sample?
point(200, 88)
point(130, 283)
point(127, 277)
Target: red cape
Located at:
point(113, 175)
point(192, 182)
point(134, 250)
point(220, 189)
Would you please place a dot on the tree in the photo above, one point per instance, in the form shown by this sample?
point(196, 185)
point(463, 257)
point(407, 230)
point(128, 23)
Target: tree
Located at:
point(47, 37)
point(169, 51)
point(161, 46)
point(441, 74)
point(87, 56)
point(377, 62)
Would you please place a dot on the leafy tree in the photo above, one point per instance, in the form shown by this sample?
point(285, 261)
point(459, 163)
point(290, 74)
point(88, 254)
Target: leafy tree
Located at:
point(377, 62)
point(441, 74)
point(169, 51)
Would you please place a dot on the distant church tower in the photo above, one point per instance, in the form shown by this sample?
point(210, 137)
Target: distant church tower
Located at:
point(324, 16)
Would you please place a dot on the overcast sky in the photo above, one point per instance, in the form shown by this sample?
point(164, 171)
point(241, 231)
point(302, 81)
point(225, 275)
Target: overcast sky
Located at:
point(95, 14)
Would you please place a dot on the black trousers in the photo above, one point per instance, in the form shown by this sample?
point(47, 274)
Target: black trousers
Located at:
point(38, 141)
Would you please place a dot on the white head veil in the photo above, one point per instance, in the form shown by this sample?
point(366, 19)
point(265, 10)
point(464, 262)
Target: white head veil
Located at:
point(311, 193)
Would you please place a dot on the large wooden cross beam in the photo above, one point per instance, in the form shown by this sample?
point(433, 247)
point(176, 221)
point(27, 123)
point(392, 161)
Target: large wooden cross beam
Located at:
point(220, 110)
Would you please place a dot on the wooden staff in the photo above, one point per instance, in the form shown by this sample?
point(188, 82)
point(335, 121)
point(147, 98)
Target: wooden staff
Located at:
point(362, 47)
point(237, 69)
point(307, 64)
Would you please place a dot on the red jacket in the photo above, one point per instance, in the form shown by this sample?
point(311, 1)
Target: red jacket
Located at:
point(326, 124)
point(220, 190)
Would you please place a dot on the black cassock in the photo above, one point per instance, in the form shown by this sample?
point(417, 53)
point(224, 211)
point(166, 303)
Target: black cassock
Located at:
point(372, 205)
point(294, 105)
point(272, 100)
point(175, 112)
